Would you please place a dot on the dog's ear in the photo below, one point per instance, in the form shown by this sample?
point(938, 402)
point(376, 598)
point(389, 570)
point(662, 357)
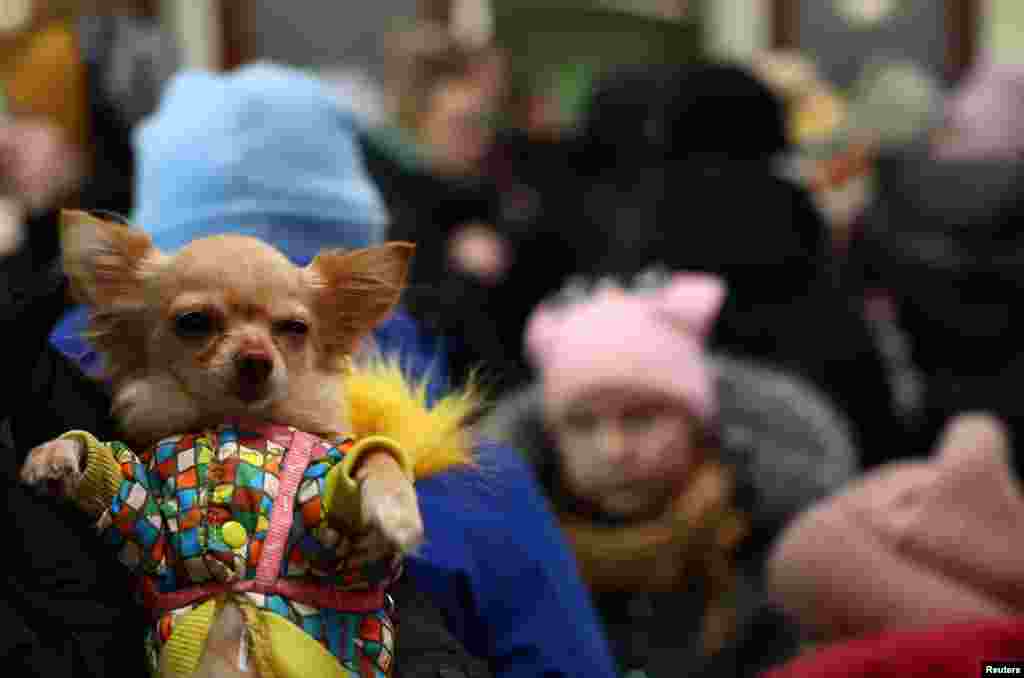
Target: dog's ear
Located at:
point(105, 261)
point(356, 290)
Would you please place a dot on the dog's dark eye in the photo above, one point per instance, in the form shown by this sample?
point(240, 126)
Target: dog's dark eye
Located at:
point(293, 327)
point(193, 325)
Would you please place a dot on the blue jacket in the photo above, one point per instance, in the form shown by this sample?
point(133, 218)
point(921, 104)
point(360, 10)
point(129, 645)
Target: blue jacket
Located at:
point(498, 566)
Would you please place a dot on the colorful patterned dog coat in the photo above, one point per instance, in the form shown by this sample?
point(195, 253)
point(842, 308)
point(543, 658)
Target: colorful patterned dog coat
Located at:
point(244, 509)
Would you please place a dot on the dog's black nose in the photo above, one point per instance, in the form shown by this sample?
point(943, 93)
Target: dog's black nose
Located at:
point(253, 371)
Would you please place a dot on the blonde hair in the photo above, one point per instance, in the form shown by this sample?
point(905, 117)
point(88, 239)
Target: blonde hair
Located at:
point(419, 60)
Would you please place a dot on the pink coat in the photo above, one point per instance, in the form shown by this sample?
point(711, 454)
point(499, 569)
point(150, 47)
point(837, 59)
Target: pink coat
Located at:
point(911, 544)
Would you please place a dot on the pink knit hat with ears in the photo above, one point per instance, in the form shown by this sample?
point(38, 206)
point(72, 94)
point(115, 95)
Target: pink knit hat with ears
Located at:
point(653, 339)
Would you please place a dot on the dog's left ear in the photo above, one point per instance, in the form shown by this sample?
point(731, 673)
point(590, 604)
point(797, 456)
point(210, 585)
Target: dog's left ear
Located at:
point(105, 261)
point(356, 290)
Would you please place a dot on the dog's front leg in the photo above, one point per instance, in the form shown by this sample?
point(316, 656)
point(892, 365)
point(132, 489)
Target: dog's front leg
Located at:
point(57, 466)
point(390, 507)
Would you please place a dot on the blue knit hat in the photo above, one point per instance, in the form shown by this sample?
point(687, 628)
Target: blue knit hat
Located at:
point(266, 151)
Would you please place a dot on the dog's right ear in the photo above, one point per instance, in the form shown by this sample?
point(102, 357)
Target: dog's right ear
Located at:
point(105, 261)
point(356, 290)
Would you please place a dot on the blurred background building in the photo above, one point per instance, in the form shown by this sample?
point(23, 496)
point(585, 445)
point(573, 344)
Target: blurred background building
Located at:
point(562, 45)
point(219, 32)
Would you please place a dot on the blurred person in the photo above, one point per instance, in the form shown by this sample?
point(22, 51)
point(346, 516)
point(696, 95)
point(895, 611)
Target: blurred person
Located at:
point(894, 102)
point(911, 544)
point(443, 95)
point(472, 189)
point(530, 168)
point(837, 141)
point(948, 257)
point(671, 470)
point(703, 191)
point(457, 125)
point(70, 141)
point(109, 69)
point(429, 165)
point(267, 151)
point(832, 167)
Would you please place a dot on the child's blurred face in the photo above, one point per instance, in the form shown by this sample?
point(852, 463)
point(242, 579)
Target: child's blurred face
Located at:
point(627, 451)
point(458, 126)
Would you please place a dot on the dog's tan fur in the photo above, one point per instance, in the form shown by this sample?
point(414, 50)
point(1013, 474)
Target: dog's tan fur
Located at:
point(165, 384)
point(255, 298)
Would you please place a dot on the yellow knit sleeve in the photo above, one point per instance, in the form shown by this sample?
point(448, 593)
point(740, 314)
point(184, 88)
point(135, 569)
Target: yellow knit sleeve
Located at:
point(342, 492)
point(102, 478)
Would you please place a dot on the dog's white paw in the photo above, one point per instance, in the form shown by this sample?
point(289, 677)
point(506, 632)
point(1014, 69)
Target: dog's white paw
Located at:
point(400, 524)
point(391, 510)
point(55, 466)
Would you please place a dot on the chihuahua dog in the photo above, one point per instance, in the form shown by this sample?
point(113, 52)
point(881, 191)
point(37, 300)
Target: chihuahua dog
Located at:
point(228, 329)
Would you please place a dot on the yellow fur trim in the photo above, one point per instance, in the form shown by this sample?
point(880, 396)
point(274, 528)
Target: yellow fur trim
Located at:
point(384, 402)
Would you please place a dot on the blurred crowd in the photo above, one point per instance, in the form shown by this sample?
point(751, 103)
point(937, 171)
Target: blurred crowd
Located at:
point(750, 340)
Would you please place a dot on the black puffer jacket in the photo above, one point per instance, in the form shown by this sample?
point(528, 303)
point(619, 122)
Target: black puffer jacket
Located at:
point(944, 238)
